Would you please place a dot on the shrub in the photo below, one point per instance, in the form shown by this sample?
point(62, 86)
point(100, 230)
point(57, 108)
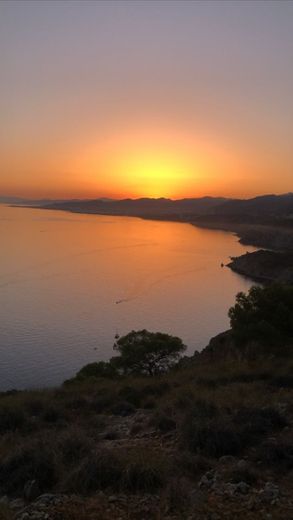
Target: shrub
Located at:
point(203, 409)
point(29, 462)
point(258, 421)
point(282, 381)
point(35, 406)
point(147, 353)
point(149, 404)
point(74, 445)
point(12, 418)
point(123, 408)
point(278, 456)
point(163, 422)
point(176, 496)
point(100, 470)
point(265, 314)
point(52, 414)
point(191, 465)
point(212, 437)
point(102, 402)
point(144, 472)
point(97, 370)
point(156, 388)
point(131, 394)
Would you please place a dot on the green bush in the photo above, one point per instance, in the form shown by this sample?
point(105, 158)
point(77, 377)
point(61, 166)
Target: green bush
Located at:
point(161, 421)
point(74, 445)
point(258, 421)
point(131, 394)
point(211, 437)
point(276, 455)
point(30, 462)
point(97, 370)
point(101, 470)
point(191, 465)
point(265, 315)
point(143, 472)
point(147, 353)
point(12, 418)
point(123, 408)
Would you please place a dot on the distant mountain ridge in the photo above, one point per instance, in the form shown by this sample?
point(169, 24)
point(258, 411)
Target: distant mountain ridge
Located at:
point(262, 206)
point(29, 202)
point(146, 207)
point(275, 206)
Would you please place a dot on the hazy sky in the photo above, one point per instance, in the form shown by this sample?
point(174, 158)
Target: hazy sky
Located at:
point(132, 98)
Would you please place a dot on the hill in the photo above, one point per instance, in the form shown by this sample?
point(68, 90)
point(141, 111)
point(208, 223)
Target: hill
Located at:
point(143, 207)
point(264, 206)
point(210, 439)
point(267, 206)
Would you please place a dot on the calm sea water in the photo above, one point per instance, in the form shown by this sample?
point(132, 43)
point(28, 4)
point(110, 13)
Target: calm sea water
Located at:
point(61, 275)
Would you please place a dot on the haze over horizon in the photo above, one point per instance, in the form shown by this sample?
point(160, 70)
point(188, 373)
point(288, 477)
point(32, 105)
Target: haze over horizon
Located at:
point(146, 99)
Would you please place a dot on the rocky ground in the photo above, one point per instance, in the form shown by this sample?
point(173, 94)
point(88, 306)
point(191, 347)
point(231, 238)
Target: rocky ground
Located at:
point(233, 487)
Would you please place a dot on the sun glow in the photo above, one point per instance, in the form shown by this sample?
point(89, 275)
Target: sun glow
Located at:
point(153, 174)
point(146, 163)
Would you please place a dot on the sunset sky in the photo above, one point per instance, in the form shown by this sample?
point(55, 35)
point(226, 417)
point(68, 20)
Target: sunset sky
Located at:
point(146, 98)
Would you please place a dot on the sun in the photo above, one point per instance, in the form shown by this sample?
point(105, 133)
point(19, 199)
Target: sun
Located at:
point(153, 174)
point(146, 164)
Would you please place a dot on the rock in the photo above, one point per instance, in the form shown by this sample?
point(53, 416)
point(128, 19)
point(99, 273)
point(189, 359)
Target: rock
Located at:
point(112, 498)
point(226, 459)
point(230, 489)
point(46, 496)
point(242, 464)
point(270, 493)
point(18, 503)
point(208, 479)
point(243, 488)
point(31, 490)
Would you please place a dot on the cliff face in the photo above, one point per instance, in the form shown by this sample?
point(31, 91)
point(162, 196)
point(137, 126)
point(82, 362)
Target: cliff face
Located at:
point(267, 266)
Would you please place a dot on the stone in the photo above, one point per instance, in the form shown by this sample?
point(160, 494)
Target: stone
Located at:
point(31, 490)
point(112, 498)
point(230, 489)
point(18, 503)
point(242, 464)
point(270, 493)
point(243, 488)
point(226, 459)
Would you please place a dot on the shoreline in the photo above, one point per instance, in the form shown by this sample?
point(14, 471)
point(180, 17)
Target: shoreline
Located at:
point(274, 261)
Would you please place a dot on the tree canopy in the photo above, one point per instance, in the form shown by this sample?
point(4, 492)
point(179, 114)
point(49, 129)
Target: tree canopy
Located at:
point(265, 314)
point(149, 353)
point(97, 369)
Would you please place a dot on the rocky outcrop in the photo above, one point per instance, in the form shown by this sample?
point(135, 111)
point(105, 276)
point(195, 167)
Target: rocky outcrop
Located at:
point(265, 266)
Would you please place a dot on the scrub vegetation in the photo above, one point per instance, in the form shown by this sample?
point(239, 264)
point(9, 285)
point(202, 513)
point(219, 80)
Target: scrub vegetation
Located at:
point(205, 435)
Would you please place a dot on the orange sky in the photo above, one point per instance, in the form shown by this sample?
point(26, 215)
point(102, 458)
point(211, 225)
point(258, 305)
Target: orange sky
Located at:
point(131, 99)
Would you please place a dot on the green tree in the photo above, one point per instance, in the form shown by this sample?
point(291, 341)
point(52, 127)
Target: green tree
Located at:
point(265, 314)
point(149, 353)
point(98, 369)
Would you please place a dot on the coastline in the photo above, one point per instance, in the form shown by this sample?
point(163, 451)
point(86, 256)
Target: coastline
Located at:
point(274, 261)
